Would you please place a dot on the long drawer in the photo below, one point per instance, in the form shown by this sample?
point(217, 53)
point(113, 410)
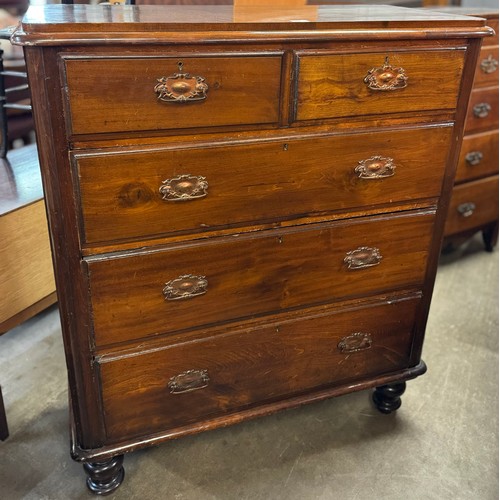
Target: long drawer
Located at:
point(473, 204)
point(226, 279)
point(478, 156)
point(376, 83)
point(160, 93)
point(482, 112)
point(191, 382)
point(143, 194)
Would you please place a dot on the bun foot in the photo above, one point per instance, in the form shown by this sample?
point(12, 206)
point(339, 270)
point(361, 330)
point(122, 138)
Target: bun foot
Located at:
point(387, 397)
point(104, 477)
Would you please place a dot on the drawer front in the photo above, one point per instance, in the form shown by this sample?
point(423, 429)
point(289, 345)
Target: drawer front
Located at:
point(191, 382)
point(492, 40)
point(487, 67)
point(478, 156)
point(482, 112)
point(248, 275)
point(473, 205)
point(142, 194)
point(234, 91)
point(338, 85)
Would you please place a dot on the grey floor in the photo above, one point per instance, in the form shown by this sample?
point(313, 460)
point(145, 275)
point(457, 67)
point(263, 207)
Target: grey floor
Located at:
point(442, 444)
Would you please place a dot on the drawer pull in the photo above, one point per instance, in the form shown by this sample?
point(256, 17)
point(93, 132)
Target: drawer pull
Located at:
point(355, 342)
point(188, 381)
point(376, 167)
point(184, 187)
point(481, 110)
point(474, 158)
point(466, 209)
point(386, 77)
point(362, 257)
point(489, 65)
point(186, 286)
point(181, 87)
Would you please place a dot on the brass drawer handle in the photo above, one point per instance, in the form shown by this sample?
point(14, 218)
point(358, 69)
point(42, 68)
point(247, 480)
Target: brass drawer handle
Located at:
point(474, 158)
point(489, 65)
point(386, 77)
point(362, 257)
point(355, 342)
point(181, 87)
point(376, 167)
point(184, 187)
point(186, 286)
point(188, 381)
point(481, 110)
point(466, 209)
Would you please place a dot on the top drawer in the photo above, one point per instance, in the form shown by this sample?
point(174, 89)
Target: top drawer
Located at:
point(161, 93)
point(373, 83)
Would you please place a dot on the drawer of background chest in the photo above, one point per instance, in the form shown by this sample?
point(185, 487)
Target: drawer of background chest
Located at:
point(478, 156)
point(482, 112)
point(226, 279)
point(182, 384)
point(340, 85)
point(473, 204)
point(124, 94)
point(155, 193)
point(487, 67)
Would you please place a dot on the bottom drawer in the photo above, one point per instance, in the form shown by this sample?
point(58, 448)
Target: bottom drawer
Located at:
point(186, 383)
point(472, 205)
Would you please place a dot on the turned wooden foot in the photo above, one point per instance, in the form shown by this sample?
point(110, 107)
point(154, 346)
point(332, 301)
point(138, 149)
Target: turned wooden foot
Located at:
point(104, 477)
point(387, 397)
point(490, 237)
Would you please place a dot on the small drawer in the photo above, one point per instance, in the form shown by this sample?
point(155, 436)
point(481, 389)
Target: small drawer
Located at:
point(226, 279)
point(482, 112)
point(492, 40)
point(161, 93)
point(487, 67)
point(143, 194)
point(192, 382)
point(473, 205)
point(396, 81)
point(478, 156)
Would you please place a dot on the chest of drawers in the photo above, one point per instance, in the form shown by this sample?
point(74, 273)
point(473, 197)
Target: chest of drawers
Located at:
point(474, 202)
point(246, 206)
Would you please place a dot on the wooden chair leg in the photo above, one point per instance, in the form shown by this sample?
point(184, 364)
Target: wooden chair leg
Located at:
point(4, 430)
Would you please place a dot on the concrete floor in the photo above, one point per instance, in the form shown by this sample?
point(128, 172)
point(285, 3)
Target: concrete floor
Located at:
point(442, 444)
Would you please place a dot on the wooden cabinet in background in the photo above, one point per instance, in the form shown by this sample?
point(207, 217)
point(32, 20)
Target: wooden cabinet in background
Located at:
point(247, 212)
point(474, 202)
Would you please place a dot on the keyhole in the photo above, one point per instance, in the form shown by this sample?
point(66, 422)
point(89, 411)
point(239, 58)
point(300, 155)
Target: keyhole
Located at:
point(285, 147)
point(180, 64)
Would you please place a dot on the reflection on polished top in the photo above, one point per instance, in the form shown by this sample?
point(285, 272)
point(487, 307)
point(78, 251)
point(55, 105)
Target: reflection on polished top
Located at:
point(120, 18)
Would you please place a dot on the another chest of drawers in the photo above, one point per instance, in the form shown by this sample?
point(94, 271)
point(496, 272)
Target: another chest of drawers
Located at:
point(474, 203)
point(246, 211)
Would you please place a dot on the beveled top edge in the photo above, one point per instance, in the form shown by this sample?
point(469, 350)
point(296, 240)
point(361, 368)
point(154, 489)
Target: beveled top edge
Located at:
point(82, 18)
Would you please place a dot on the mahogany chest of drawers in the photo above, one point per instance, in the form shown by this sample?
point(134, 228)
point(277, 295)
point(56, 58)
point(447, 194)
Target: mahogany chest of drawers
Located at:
point(246, 206)
point(474, 201)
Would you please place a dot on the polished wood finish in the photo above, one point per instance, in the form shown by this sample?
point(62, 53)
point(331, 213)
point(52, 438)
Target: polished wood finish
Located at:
point(314, 275)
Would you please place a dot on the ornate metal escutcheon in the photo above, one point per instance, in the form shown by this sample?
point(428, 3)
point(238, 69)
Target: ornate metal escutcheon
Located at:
point(376, 167)
point(184, 187)
point(362, 258)
point(474, 158)
point(181, 87)
point(481, 110)
point(190, 380)
point(186, 286)
point(386, 77)
point(355, 342)
point(466, 209)
point(489, 65)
